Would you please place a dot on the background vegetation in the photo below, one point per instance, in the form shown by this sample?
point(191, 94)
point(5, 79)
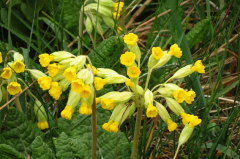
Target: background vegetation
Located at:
point(207, 30)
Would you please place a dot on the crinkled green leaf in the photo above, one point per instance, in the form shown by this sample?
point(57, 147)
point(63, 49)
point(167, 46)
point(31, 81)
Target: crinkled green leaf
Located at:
point(8, 152)
point(107, 53)
point(18, 132)
point(40, 150)
point(198, 32)
point(75, 142)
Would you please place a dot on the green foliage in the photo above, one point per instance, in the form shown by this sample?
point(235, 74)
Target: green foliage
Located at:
point(75, 141)
point(107, 53)
point(198, 32)
point(40, 150)
point(8, 152)
point(18, 132)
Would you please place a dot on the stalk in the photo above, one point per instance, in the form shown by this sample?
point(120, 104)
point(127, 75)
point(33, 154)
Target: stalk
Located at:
point(18, 105)
point(94, 129)
point(80, 52)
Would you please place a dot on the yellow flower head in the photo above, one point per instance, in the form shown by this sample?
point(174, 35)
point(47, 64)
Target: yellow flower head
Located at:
point(70, 73)
point(85, 92)
point(99, 83)
point(98, 100)
point(18, 66)
point(53, 69)
point(198, 67)
point(133, 72)
point(108, 104)
point(130, 39)
point(179, 95)
point(45, 82)
point(111, 126)
point(116, 15)
point(151, 111)
point(7, 73)
point(189, 98)
point(171, 125)
point(43, 125)
point(67, 112)
point(77, 85)
point(1, 57)
point(129, 83)
point(157, 52)
point(14, 88)
point(93, 68)
point(85, 109)
point(175, 50)
point(45, 59)
point(118, 6)
point(191, 120)
point(127, 58)
point(55, 91)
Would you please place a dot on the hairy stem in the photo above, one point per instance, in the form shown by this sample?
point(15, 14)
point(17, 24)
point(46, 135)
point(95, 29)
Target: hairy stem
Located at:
point(176, 153)
point(18, 105)
point(94, 129)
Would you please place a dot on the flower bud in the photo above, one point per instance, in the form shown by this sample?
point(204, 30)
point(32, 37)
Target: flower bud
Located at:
point(182, 72)
point(148, 97)
point(79, 61)
point(88, 25)
point(174, 106)
point(106, 3)
point(41, 115)
point(61, 55)
point(36, 73)
point(162, 111)
point(64, 83)
point(154, 64)
point(86, 75)
point(109, 21)
point(94, 7)
point(185, 134)
point(73, 99)
point(119, 97)
point(17, 56)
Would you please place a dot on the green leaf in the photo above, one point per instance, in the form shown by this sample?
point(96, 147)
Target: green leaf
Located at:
point(107, 53)
point(8, 152)
point(75, 142)
point(198, 32)
point(18, 132)
point(40, 150)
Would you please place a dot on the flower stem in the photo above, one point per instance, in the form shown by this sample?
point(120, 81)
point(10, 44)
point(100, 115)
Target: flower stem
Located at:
point(18, 105)
point(134, 154)
point(94, 129)
point(80, 34)
point(175, 156)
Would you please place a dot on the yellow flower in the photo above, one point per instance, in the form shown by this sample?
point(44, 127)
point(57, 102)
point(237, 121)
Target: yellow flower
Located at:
point(157, 52)
point(99, 83)
point(77, 85)
point(175, 50)
point(14, 88)
point(45, 82)
point(55, 91)
point(171, 125)
point(43, 125)
point(116, 15)
point(0, 57)
point(179, 95)
point(7, 73)
point(189, 98)
point(98, 100)
point(118, 6)
point(18, 66)
point(53, 69)
point(67, 112)
point(45, 59)
point(133, 72)
point(127, 58)
point(70, 73)
point(95, 71)
point(108, 104)
point(85, 109)
point(191, 120)
point(198, 67)
point(111, 126)
point(130, 39)
point(129, 83)
point(85, 92)
point(151, 111)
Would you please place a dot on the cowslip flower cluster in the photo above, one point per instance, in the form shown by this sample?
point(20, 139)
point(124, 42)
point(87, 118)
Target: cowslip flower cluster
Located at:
point(100, 11)
point(10, 71)
point(66, 70)
point(136, 96)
